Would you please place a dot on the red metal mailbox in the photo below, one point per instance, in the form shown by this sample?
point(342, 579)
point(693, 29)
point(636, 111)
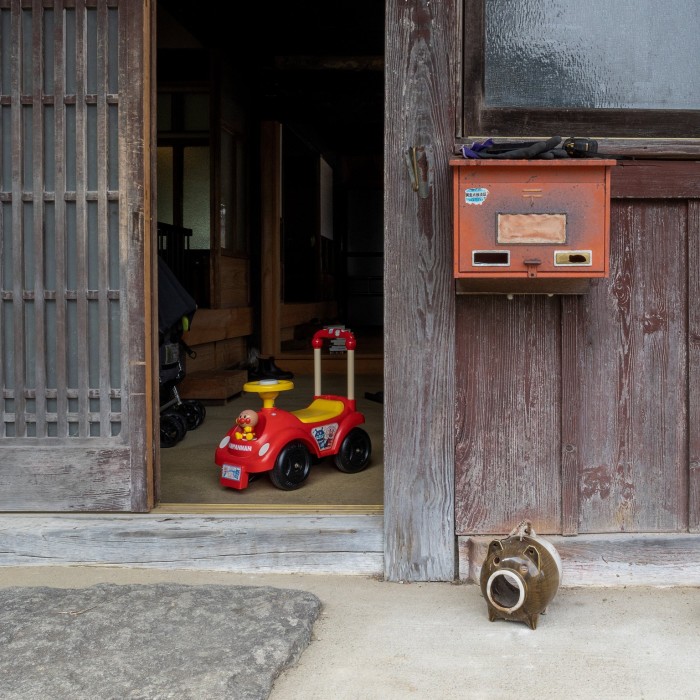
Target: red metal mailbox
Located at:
point(531, 219)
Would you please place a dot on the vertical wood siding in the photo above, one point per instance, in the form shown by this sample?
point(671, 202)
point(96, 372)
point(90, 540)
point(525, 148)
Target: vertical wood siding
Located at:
point(508, 352)
point(606, 441)
point(693, 365)
point(634, 393)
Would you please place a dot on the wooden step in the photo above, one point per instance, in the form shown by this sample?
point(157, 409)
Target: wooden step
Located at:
point(213, 384)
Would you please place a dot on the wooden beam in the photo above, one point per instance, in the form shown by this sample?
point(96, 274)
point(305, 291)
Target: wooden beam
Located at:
point(210, 325)
point(213, 385)
point(651, 179)
point(271, 263)
point(244, 543)
point(640, 559)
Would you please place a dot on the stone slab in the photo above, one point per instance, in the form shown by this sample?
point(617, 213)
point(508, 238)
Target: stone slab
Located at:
point(150, 641)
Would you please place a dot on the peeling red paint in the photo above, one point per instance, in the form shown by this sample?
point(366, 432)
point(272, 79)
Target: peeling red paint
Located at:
point(651, 323)
point(595, 481)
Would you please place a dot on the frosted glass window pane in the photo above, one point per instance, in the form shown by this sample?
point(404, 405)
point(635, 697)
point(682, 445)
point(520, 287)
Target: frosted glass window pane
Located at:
point(70, 49)
point(27, 148)
point(8, 337)
point(112, 147)
point(5, 153)
point(28, 242)
point(634, 54)
point(165, 185)
point(71, 246)
point(113, 244)
point(50, 246)
point(50, 354)
point(49, 161)
point(195, 209)
point(91, 143)
point(48, 52)
point(164, 109)
point(7, 275)
point(27, 66)
point(93, 343)
point(72, 372)
point(5, 46)
point(112, 50)
point(196, 112)
point(69, 155)
point(91, 50)
point(29, 346)
point(93, 252)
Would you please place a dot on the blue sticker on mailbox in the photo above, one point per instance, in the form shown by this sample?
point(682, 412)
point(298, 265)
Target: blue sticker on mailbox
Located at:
point(476, 195)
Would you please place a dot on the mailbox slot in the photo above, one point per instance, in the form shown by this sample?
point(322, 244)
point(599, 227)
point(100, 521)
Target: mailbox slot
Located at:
point(531, 220)
point(573, 257)
point(491, 257)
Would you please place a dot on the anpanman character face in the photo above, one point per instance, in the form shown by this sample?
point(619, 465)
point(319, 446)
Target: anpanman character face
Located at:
point(247, 417)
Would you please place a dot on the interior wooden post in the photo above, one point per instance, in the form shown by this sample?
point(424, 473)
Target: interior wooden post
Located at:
point(270, 337)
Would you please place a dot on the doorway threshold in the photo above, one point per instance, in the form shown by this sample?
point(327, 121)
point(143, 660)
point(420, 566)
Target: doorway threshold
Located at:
point(238, 540)
point(265, 509)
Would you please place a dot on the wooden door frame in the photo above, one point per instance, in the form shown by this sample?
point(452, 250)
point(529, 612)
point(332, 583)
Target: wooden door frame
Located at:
point(421, 65)
point(140, 362)
point(149, 452)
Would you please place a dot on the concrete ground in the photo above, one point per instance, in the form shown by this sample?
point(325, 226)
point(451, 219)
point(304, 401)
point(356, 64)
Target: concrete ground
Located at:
point(433, 641)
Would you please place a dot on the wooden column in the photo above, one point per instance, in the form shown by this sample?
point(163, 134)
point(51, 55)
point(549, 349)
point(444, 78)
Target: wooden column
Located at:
point(419, 297)
point(693, 365)
point(271, 139)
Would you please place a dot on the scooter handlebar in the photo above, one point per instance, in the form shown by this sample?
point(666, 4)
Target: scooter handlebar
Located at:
point(330, 334)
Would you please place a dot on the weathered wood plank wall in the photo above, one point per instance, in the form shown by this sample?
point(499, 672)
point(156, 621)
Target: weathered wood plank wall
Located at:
point(508, 408)
point(420, 72)
point(601, 428)
point(633, 411)
point(694, 365)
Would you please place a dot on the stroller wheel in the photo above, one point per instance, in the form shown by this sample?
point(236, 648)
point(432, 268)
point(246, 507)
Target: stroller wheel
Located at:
point(201, 409)
point(193, 412)
point(172, 428)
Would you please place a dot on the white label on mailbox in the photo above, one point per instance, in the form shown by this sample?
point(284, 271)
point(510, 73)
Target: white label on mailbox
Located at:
point(475, 195)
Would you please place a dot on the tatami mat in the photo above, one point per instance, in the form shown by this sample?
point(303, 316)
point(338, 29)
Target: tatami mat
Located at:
point(190, 475)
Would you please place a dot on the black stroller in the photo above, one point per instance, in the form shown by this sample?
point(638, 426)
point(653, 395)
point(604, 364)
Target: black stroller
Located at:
point(176, 309)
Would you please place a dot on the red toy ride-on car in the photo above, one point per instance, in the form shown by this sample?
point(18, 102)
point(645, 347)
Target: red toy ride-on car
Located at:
point(284, 443)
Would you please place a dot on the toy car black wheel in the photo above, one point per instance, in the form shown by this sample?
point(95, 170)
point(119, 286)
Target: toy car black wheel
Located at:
point(292, 467)
point(354, 452)
point(172, 428)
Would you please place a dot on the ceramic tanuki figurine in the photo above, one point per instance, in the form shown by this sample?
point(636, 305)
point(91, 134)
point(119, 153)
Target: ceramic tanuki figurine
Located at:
point(520, 576)
point(246, 422)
